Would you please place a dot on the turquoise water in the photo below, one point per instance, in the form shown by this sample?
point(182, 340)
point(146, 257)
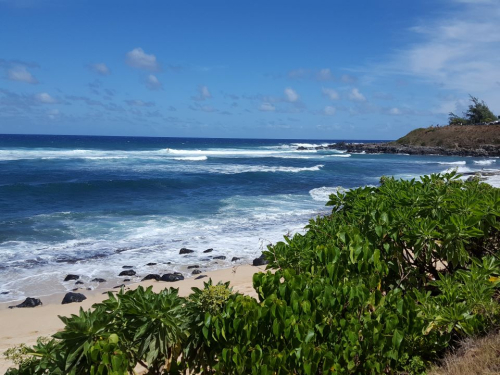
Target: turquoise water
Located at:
point(89, 205)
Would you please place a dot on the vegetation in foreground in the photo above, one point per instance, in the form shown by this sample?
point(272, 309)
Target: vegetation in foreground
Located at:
point(384, 285)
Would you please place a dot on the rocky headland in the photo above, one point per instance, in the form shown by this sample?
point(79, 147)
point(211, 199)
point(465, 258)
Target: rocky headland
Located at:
point(453, 140)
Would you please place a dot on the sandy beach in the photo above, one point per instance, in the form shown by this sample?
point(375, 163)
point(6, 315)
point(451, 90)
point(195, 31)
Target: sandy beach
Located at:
point(24, 325)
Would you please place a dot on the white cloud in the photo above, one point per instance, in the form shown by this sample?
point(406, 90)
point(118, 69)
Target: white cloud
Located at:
point(203, 93)
point(53, 113)
point(267, 107)
point(100, 68)
point(330, 93)
point(329, 110)
point(395, 111)
point(356, 96)
point(457, 52)
point(153, 83)
point(45, 98)
point(291, 95)
point(137, 58)
point(21, 74)
point(324, 75)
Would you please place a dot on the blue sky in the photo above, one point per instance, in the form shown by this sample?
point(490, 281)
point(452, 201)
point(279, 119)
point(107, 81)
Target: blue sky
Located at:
point(264, 69)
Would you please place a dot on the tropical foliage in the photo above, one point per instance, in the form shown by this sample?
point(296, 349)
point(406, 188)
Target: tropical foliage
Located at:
point(385, 284)
point(478, 112)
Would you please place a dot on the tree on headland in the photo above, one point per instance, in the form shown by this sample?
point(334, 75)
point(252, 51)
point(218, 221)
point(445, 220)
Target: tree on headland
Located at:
point(478, 112)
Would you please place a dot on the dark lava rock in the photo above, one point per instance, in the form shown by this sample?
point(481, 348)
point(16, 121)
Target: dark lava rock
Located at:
point(73, 297)
point(221, 257)
point(191, 267)
point(185, 251)
point(28, 302)
point(235, 259)
point(79, 282)
point(126, 279)
point(127, 273)
point(119, 286)
point(196, 272)
point(151, 264)
point(200, 277)
point(75, 289)
point(4, 293)
point(152, 276)
point(128, 267)
point(98, 280)
point(170, 277)
point(71, 277)
point(260, 261)
point(208, 250)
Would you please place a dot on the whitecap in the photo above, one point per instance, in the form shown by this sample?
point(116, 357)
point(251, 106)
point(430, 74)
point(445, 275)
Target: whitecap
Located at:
point(322, 194)
point(192, 158)
point(485, 162)
point(452, 162)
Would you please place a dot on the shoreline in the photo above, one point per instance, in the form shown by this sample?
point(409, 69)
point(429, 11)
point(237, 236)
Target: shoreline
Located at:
point(25, 325)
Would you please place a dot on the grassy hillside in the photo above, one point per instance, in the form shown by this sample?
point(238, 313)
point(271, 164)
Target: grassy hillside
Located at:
point(453, 136)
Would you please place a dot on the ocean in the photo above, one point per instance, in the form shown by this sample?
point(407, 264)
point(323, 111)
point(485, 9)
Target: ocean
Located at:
point(90, 205)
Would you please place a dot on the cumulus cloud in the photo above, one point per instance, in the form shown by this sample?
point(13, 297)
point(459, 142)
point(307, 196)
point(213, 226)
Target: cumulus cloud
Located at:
point(330, 93)
point(291, 95)
point(100, 68)
point(267, 107)
point(137, 58)
point(20, 74)
point(153, 83)
point(356, 96)
point(45, 98)
point(329, 110)
point(203, 93)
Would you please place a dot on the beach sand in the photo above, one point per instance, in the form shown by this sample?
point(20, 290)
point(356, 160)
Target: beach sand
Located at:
point(24, 325)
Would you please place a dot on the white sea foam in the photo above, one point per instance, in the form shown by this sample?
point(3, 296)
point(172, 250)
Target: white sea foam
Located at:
point(494, 180)
point(459, 170)
point(234, 169)
point(452, 162)
point(338, 156)
point(192, 158)
point(242, 227)
point(485, 162)
point(160, 154)
point(322, 194)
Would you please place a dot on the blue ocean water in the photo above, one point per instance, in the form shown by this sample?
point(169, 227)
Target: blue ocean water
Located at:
point(89, 205)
